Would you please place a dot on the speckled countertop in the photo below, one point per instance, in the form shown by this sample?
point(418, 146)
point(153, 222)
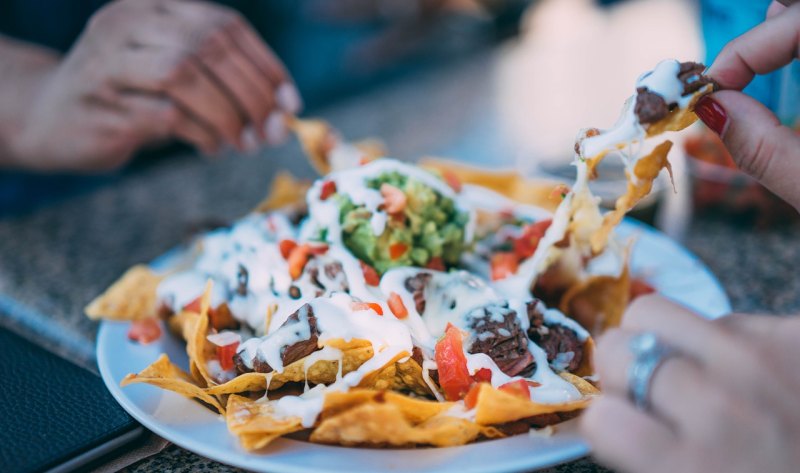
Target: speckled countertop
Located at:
point(55, 259)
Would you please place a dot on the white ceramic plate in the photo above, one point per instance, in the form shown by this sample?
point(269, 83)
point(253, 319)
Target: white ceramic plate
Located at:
point(674, 271)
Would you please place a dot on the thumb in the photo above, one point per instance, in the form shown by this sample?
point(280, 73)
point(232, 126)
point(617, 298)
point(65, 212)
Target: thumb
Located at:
point(755, 138)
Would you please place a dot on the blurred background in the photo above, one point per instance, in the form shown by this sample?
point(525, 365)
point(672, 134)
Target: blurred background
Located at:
point(527, 74)
point(502, 84)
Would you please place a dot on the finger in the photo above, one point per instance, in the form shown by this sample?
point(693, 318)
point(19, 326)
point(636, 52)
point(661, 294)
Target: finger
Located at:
point(157, 118)
point(249, 43)
point(624, 437)
point(680, 391)
point(767, 47)
point(179, 76)
point(250, 90)
point(775, 8)
point(758, 143)
point(717, 351)
point(286, 94)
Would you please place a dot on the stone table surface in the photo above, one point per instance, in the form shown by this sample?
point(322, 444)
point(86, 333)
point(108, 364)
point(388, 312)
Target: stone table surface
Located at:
point(55, 259)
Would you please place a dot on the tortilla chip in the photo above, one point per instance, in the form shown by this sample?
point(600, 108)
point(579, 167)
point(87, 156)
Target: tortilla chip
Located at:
point(131, 297)
point(510, 184)
point(586, 368)
point(378, 418)
point(584, 387)
point(679, 118)
point(199, 349)
point(182, 323)
point(498, 407)
point(164, 374)
point(598, 302)
point(372, 148)
point(406, 375)
point(254, 422)
point(285, 192)
point(414, 410)
point(409, 376)
point(639, 185)
point(316, 138)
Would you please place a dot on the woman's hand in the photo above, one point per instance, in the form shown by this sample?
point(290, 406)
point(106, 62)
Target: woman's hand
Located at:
point(146, 71)
point(727, 402)
point(759, 144)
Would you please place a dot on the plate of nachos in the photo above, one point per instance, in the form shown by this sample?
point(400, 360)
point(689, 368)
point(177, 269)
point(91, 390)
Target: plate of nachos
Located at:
point(401, 317)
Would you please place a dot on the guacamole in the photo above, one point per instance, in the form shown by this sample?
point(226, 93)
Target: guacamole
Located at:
point(428, 232)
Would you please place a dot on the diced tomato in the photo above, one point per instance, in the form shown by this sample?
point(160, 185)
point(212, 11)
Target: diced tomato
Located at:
point(317, 248)
point(559, 192)
point(471, 399)
point(525, 246)
point(225, 355)
point(193, 306)
point(286, 247)
point(503, 265)
point(394, 199)
point(364, 160)
point(639, 287)
point(373, 306)
point(396, 306)
point(297, 260)
point(328, 189)
point(483, 375)
point(144, 331)
point(507, 214)
point(221, 318)
point(370, 275)
point(518, 387)
point(436, 263)
point(454, 377)
point(397, 250)
point(452, 180)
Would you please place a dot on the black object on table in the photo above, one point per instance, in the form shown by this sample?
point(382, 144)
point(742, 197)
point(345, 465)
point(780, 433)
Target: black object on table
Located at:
point(57, 416)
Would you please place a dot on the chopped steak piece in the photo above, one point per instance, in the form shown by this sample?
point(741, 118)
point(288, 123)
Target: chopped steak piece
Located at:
point(416, 286)
point(564, 349)
point(331, 278)
point(691, 74)
point(289, 353)
point(650, 107)
point(497, 333)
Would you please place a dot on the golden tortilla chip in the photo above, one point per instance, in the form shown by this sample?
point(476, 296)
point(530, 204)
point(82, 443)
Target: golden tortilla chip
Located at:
point(679, 118)
point(131, 297)
point(199, 349)
point(255, 423)
point(285, 192)
point(164, 374)
point(406, 375)
point(372, 148)
point(586, 368)
point(537, 192)
point(598, 302)
point(584, 387)
point(316, 138)
point(414, 409)
point(385, 418)
point(498, 407)
point(639, 185)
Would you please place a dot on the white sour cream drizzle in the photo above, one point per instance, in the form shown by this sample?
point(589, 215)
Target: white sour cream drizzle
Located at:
point(627, 133)
point(265, 307)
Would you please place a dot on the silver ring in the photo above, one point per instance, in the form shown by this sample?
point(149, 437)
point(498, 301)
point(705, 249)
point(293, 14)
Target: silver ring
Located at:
point(648, 354)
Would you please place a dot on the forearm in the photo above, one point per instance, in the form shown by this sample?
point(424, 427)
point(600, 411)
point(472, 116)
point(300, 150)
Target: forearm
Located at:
point(23, 69)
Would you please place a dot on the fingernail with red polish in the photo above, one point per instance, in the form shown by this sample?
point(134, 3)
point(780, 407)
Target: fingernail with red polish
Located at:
point(712, 114)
